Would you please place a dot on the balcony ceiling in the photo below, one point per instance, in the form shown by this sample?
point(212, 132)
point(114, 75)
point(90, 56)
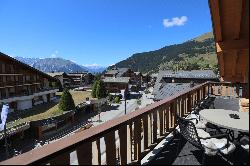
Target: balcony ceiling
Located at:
point(231, 32)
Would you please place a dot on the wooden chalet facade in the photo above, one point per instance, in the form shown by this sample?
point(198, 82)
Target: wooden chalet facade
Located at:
point(22, 86)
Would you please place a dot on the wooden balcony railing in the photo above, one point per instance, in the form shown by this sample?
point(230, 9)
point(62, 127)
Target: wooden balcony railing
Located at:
point(126, 139)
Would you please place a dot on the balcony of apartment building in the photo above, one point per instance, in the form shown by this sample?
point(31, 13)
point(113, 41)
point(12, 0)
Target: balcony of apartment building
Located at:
point(130, 138)
point(161, 132)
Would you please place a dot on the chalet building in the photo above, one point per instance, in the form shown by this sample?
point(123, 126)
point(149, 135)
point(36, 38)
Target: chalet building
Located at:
point(183, 76)
point(168, 82)
point(135, 77)
point(120, 72)
point(146, 78)
point(22, 86)
point(81, 79)
point(116, 84)
point(65, 80)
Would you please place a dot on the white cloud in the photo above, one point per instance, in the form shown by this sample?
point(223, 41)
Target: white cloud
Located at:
point(175, 21)
point(54, 54)
point(92, 65)
point(73, 61)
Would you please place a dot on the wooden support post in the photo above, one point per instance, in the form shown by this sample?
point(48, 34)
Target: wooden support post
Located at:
point(167, 121)
point(63, 159)
point(84, 154)
point(110, 148)
point(189, 106)
point(154, 126)
point(137, 139)
point(123, 144)
point(96, 153)
point(161, 119)
point(145, 131)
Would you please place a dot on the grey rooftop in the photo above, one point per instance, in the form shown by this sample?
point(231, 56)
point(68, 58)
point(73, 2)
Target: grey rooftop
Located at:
point(116, 79)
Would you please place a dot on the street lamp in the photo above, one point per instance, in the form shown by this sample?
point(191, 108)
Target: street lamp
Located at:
point(125, 104)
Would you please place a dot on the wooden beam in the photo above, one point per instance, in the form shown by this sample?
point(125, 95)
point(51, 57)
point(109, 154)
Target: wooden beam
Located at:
point(230, 45)
point(215, 13)
point(221, 63)
point(235, 60)
point(237, 18)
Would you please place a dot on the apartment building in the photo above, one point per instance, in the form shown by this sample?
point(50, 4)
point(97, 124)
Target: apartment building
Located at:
point(22, 86)
point(65, 80)
point(81, 79)
point(116, 84)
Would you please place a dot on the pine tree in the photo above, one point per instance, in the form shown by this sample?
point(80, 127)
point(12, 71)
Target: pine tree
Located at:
point(100, 90)
point(66, 101)
point(93, 93)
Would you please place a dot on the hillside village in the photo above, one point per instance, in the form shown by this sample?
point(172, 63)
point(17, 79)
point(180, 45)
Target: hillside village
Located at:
point(35, 98)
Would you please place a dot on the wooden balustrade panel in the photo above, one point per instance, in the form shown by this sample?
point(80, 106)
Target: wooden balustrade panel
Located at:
point(215, 90)
point(137, 140)
point(198, 95)
point(97, 151)
point(84, 154)
point(123, 144)
point(62, 159)
point(178, 106)
point(131, 133)
point(129, 145)
point(182, 106)
point(154, 126)
point(174, 116)
point(223, 91)
point(146, 132)
point(171, 110)
point(110, 148)
point(161, 119)
point(233, 90)
point(167, 119)
point(189, 103)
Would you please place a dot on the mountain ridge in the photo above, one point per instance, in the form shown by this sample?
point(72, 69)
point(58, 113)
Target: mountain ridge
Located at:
point(57, 65)
point(197, 53)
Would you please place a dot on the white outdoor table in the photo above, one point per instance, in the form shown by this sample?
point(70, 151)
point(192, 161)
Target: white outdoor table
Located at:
point(221, 118)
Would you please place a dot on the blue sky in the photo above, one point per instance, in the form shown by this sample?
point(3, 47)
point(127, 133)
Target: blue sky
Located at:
point(99, 32)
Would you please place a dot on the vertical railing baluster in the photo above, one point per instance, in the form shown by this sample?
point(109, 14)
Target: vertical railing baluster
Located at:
point(137, 140)
point(96, 153)
point(84, 154)
point(145, 132)
point(154, 126)
point(161, 119)
point(62, 159)
point(110, 148)
point(167, 121)
point(123, 144)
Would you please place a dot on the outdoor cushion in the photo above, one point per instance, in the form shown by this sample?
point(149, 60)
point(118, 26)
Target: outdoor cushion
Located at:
point(201, 123)
point(209, 146)
point(202, 134)
point(219, 144)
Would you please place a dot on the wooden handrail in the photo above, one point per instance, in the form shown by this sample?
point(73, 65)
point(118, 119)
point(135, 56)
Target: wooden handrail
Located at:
point(66, 145)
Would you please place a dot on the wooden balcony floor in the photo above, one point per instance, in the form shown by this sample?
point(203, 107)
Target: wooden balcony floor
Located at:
point(190, 155)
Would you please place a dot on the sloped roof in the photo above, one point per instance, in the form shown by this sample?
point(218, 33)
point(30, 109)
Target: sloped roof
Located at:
point(121, 71)
point(4, 56)
point(56, 74)
point(170, 89)
point(112, 72)
point(117, 79)
point(159, 78)
point(196, 74)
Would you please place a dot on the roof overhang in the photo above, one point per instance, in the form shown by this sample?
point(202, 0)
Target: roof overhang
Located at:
point(231, 32)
